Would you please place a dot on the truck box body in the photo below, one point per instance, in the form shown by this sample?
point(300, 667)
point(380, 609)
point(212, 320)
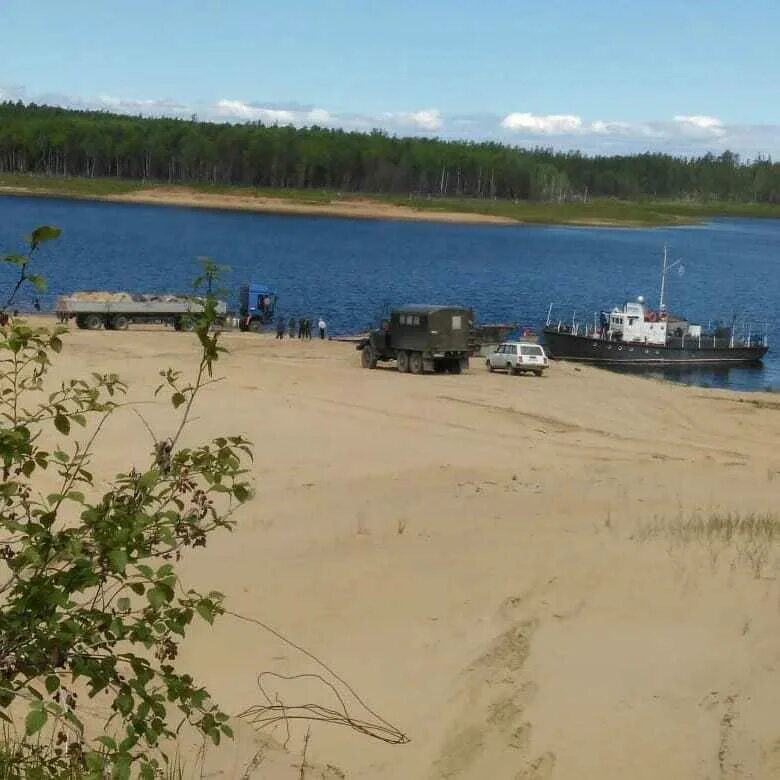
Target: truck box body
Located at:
point(431, 329)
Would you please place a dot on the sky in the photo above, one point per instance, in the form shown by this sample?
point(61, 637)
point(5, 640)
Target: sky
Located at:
point(602, 76)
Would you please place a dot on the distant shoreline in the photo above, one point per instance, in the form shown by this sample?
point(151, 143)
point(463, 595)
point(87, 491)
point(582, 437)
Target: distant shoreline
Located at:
point(602, 212)
point(346, 208)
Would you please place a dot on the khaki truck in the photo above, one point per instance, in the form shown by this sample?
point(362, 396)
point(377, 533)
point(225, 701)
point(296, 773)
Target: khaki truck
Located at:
point(421, 338)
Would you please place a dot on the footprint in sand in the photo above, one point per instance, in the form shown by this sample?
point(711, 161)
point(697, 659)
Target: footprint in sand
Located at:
point(492, 735)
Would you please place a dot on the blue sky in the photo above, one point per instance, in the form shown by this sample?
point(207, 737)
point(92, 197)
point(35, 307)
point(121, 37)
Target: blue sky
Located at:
point(624, 75)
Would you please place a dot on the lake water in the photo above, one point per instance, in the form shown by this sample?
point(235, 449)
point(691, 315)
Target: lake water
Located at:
point(347, 270)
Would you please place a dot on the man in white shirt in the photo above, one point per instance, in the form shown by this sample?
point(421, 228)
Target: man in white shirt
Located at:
point(321, 325)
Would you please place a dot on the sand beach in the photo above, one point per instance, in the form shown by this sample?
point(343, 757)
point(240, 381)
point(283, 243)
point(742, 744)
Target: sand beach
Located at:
point(506, 570)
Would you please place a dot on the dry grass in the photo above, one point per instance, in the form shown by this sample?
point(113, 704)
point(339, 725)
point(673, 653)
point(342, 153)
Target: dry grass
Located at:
point(754, 538)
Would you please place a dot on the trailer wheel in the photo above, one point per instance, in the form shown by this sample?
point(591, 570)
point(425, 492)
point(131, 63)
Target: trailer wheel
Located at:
point(403, 362)
point(93, 322)
point(416, 363)
point(119, 322)
point(367, 357)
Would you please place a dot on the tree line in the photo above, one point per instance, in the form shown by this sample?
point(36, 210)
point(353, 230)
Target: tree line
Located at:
point(54, 141)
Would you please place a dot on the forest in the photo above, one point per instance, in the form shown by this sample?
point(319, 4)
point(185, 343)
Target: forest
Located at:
point(51, 141)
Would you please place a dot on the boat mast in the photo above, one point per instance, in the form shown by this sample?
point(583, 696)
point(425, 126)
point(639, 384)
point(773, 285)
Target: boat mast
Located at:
point(666, 266)
point(663, 279)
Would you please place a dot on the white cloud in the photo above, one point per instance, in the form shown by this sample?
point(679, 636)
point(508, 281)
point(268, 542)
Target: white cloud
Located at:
point(249, 112)
point(610, 128)
point(429, 119)
point(705, 122)
point(698, 125)
point(688, 134)
point(130, 106)
point(551, 124)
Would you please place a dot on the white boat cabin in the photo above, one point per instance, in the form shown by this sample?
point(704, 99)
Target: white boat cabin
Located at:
point(637, 323)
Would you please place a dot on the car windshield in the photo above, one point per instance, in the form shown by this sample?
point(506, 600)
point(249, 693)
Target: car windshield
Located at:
point(530, 350)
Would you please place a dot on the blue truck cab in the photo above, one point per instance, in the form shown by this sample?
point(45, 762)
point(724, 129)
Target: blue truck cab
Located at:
point(256, 306)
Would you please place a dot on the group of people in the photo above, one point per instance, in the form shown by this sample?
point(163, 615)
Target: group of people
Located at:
point(301, 325)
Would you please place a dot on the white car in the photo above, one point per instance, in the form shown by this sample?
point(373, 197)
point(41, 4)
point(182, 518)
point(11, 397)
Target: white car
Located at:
point(517, 356)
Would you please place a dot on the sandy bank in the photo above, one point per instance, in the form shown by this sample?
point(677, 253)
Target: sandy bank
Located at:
point(465, 551)
point(354, 208)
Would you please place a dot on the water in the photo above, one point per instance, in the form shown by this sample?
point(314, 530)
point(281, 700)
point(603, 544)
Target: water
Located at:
point(346, 270)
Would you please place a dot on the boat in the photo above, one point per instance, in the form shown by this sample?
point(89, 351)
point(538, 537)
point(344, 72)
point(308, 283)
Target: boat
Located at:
point(637, 335)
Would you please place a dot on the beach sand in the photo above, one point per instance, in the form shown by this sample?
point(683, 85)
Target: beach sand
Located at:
point(355, 208)
point(468, 553)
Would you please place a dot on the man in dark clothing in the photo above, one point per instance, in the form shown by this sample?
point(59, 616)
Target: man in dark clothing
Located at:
point(280, 328)
point(291, 327)
point(301, 327)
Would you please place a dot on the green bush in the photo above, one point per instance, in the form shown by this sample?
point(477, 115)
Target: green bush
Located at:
point(90, 600)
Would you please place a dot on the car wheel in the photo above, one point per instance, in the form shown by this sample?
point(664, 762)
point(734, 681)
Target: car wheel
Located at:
point(489, 366)
point(416, 363)
point(538, 372)
point(367, 357)
point(510, 370)
point(403, 362)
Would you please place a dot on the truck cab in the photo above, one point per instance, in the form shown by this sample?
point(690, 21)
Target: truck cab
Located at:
point(256, 306)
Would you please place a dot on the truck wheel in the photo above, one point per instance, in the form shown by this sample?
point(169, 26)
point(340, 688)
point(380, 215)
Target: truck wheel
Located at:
point(367, 357)
point(256, 326)
point(455, 366)
point(416, 363)
point(403, 362)
point(81, 321)
point(93, 322)
point(119, 322)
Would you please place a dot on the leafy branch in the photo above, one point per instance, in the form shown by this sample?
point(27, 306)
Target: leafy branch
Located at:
point(92, 603)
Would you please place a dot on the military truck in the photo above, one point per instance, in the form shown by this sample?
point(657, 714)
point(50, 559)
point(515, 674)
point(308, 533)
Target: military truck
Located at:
point(421, 338)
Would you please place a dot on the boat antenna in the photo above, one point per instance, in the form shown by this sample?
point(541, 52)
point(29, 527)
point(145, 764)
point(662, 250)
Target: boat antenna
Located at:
point(667, 266)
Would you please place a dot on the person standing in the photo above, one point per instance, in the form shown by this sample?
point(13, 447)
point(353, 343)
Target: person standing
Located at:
point(301, 327)
point(280, 328)
point(322, 326)
point(291, 327)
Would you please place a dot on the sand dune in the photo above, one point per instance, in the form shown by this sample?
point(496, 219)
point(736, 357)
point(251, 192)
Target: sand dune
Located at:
point(468, 553)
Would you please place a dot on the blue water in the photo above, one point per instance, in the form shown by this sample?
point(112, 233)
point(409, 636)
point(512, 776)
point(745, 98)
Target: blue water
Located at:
point(346, 270)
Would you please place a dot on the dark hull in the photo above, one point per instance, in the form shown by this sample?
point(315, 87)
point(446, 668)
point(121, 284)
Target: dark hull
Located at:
point(567, 346)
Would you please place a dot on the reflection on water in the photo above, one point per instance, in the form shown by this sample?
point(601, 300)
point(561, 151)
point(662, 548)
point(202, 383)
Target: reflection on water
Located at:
point(728, 377)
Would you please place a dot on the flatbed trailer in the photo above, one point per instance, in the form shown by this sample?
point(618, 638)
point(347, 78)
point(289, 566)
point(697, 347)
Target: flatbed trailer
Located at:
point(117, 315)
